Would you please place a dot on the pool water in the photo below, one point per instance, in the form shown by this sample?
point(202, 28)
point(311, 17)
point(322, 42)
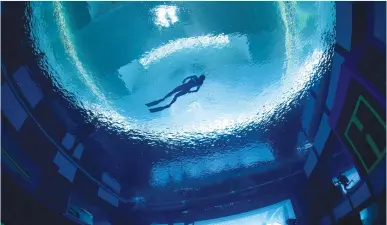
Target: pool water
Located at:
point(125, 57)
point(259, 58)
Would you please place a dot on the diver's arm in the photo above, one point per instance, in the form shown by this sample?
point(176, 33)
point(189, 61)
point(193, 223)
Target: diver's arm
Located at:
point(187, 78)
point(197, 89)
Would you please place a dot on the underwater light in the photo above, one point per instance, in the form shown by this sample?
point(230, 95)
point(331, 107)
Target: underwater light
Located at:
point(184, 43)
point(165, 15)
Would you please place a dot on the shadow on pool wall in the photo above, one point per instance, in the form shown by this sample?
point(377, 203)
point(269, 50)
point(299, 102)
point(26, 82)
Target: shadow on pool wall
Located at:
point(75, 154)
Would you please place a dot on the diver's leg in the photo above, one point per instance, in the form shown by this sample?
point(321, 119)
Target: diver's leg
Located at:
point(169, 105)
point(166, 96)
point(157, 109)
point(154, 102)
point(177, 89)
point(176, 96)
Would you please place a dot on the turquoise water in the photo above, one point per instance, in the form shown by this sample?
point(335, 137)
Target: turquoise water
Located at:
point(257, 56)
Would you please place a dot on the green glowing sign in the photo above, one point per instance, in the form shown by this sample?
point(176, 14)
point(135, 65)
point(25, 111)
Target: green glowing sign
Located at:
point(365, 133)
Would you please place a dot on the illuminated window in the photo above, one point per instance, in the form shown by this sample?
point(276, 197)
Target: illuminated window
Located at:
point(369, 214)
point(352, 179)
point(276, 214)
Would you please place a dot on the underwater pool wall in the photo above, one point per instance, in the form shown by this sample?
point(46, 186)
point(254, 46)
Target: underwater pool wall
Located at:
point(42, 148)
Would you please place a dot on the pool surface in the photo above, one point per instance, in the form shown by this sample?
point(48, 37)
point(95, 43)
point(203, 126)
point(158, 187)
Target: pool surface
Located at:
point(111, 58)
point(134, 53)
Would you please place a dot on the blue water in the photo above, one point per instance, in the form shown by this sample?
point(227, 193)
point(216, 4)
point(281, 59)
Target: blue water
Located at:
point(259, 58)
point(274, 214)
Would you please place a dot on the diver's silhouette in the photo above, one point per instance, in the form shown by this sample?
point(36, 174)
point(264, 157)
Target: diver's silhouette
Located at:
point(184, 88)
point(343, 180)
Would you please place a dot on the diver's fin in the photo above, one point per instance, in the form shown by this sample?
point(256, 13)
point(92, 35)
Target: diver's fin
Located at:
point(158, 109)
point(154, 103)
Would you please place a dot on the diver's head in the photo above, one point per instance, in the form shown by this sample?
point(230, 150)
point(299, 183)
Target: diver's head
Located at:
point(202, 77)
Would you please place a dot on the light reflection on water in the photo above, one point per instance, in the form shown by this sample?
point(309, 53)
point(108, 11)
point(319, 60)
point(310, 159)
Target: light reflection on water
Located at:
point(252, 74)
point(258, 67)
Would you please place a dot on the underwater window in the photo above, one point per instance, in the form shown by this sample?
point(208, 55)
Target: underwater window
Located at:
point(276, 214)
point(349, 179)
point(369, 214)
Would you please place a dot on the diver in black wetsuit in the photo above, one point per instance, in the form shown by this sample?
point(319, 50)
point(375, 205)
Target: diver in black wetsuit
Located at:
point(185, 88)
